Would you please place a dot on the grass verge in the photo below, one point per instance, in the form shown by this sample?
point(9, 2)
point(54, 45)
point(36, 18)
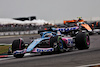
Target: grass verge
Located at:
point(4, 49)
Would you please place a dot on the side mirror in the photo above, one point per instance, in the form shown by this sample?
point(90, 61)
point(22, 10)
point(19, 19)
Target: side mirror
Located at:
point(26, 44)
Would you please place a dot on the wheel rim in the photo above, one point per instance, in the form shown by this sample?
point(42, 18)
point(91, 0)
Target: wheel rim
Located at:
point(87, 40)
point(61, 44)
point(55, 45)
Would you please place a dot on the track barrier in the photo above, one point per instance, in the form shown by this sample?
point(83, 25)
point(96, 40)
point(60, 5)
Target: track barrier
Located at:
point(18, 33)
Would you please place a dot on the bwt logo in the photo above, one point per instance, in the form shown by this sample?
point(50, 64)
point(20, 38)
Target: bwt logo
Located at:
point(70, 41)
point(42, 50)
point(67, 29)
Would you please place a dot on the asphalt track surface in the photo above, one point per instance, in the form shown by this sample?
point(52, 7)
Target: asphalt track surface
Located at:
point(9, 39)
point(67, 59)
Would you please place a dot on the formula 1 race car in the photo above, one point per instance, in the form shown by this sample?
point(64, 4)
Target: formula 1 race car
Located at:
point(91, 27)
point(95, 25)
point(83, 25)
point(51, 42)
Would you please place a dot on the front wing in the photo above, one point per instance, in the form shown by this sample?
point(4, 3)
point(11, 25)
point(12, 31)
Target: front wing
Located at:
point(35, 50)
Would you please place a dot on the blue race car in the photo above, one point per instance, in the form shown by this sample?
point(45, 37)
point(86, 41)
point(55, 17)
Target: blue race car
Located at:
point(51, 42)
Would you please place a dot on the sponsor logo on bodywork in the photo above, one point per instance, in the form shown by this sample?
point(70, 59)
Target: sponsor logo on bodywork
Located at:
point(43, 50)
point(20, 51)
point(67, 29)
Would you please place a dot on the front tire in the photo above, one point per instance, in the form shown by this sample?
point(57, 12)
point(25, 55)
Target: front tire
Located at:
point(18, 45)
point(19, 55)
point(57, 43)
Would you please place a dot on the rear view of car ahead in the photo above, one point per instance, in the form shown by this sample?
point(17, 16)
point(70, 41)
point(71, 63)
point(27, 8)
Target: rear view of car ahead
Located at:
point(83, 25)
point(51, 42)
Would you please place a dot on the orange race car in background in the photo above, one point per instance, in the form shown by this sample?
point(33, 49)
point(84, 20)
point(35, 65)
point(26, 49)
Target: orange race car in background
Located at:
point(83, 25)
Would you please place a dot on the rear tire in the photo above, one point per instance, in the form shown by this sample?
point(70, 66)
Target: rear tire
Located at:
point(82, 41)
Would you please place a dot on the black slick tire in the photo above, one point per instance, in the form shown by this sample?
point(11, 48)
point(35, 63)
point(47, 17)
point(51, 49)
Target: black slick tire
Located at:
point(82, 41)
point(19, 55)
point(18, 45)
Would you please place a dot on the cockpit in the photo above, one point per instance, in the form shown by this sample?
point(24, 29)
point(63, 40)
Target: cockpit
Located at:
point(47, 34)
point(79, 23)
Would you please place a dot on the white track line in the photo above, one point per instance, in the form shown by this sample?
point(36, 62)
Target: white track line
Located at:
point(6, 36)
point(89, 65)
point(11, 56)
point(5, 44)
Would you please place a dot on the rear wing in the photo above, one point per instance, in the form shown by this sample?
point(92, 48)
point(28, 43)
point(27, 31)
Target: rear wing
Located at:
point(61, 30)
point(69, 21)
point(68, 29)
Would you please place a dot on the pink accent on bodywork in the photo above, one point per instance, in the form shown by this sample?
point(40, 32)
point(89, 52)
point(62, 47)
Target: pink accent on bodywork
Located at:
point(87, 41)
point(34, 50)
point(20, 44)
point(25, 50)
point(20, 51)
point(66, 39)
point(78, 27)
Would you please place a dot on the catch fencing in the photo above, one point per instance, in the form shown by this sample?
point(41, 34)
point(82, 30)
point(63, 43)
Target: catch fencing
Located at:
point(18, 33)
